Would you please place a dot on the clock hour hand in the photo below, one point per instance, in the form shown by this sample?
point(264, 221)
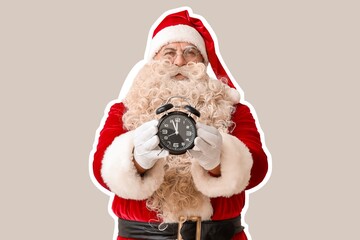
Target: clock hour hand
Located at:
point(172, 134)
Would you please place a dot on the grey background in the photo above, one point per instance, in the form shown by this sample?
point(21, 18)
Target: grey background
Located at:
point(61, 62)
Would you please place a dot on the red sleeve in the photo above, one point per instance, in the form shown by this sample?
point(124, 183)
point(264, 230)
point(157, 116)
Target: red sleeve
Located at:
point(246, 131)
point(112, 128)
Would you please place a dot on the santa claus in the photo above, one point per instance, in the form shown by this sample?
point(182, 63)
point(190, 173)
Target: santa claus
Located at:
point(196, 195)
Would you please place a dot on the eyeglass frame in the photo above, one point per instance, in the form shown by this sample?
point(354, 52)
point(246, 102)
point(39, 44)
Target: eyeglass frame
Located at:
point(174, 53)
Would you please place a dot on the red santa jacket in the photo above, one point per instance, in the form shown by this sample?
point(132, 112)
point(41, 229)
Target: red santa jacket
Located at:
point(243, 166)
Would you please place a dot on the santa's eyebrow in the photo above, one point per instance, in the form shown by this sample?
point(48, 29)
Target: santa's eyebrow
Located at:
point(169, 48)
point(191, 47)
point(175, 49)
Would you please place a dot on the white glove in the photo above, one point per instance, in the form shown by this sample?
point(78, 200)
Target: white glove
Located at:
point(146, 142)
point(208, 145)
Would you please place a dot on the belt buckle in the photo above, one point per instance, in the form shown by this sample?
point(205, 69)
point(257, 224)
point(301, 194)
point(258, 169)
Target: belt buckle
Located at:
point(193, 219)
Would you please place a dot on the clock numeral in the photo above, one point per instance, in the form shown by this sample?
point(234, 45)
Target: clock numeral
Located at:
point(183, 144)
point(188, 133)
point(164, 131)
point(177, 119)
point(166, 138)
point(187, 140)
point(187, 126)
point(175, 145)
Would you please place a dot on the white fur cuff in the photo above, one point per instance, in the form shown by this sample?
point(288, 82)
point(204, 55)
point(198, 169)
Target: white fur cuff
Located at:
point(120, 174)
point(236, 163)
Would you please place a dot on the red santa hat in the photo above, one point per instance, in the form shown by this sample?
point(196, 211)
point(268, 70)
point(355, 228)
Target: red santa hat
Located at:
point(177, 28)
point(181, 27)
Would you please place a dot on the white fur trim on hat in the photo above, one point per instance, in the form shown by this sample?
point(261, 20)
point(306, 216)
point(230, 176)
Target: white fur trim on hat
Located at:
point(178, 33)
point(120, 174)
point(236, 163)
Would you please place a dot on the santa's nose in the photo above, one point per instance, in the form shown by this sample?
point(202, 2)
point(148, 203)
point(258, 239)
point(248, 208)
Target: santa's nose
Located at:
point(179, 60)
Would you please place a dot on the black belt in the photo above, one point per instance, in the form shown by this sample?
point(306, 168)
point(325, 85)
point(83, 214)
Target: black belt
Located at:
point(193, 229)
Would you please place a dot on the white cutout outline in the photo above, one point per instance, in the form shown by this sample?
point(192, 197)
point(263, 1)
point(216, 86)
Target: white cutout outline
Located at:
point(125, 88)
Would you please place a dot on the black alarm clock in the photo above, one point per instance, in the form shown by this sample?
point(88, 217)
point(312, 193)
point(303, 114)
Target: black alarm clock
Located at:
point(177, 129)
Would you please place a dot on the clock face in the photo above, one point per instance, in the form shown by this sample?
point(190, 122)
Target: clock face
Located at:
point(177, 132)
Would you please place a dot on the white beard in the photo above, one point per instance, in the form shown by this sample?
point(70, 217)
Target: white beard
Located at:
point(155, 83)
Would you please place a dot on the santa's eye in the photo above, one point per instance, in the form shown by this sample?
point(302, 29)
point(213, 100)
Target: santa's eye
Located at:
point(191, 52)
point(169, 54)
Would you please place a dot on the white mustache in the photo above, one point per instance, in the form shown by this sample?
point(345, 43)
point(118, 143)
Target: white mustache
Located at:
point(168, 70)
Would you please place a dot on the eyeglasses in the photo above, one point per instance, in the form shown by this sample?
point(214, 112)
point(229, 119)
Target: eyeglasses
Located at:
point(190, 54)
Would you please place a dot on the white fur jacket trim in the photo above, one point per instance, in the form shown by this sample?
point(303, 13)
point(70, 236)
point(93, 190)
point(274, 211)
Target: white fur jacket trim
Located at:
point(236, 163)
point(120, 174)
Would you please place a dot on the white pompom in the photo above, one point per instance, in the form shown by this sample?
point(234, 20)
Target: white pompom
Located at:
point(234, 95)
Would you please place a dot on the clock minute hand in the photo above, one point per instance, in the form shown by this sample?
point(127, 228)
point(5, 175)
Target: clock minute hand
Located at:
point(175, 127)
